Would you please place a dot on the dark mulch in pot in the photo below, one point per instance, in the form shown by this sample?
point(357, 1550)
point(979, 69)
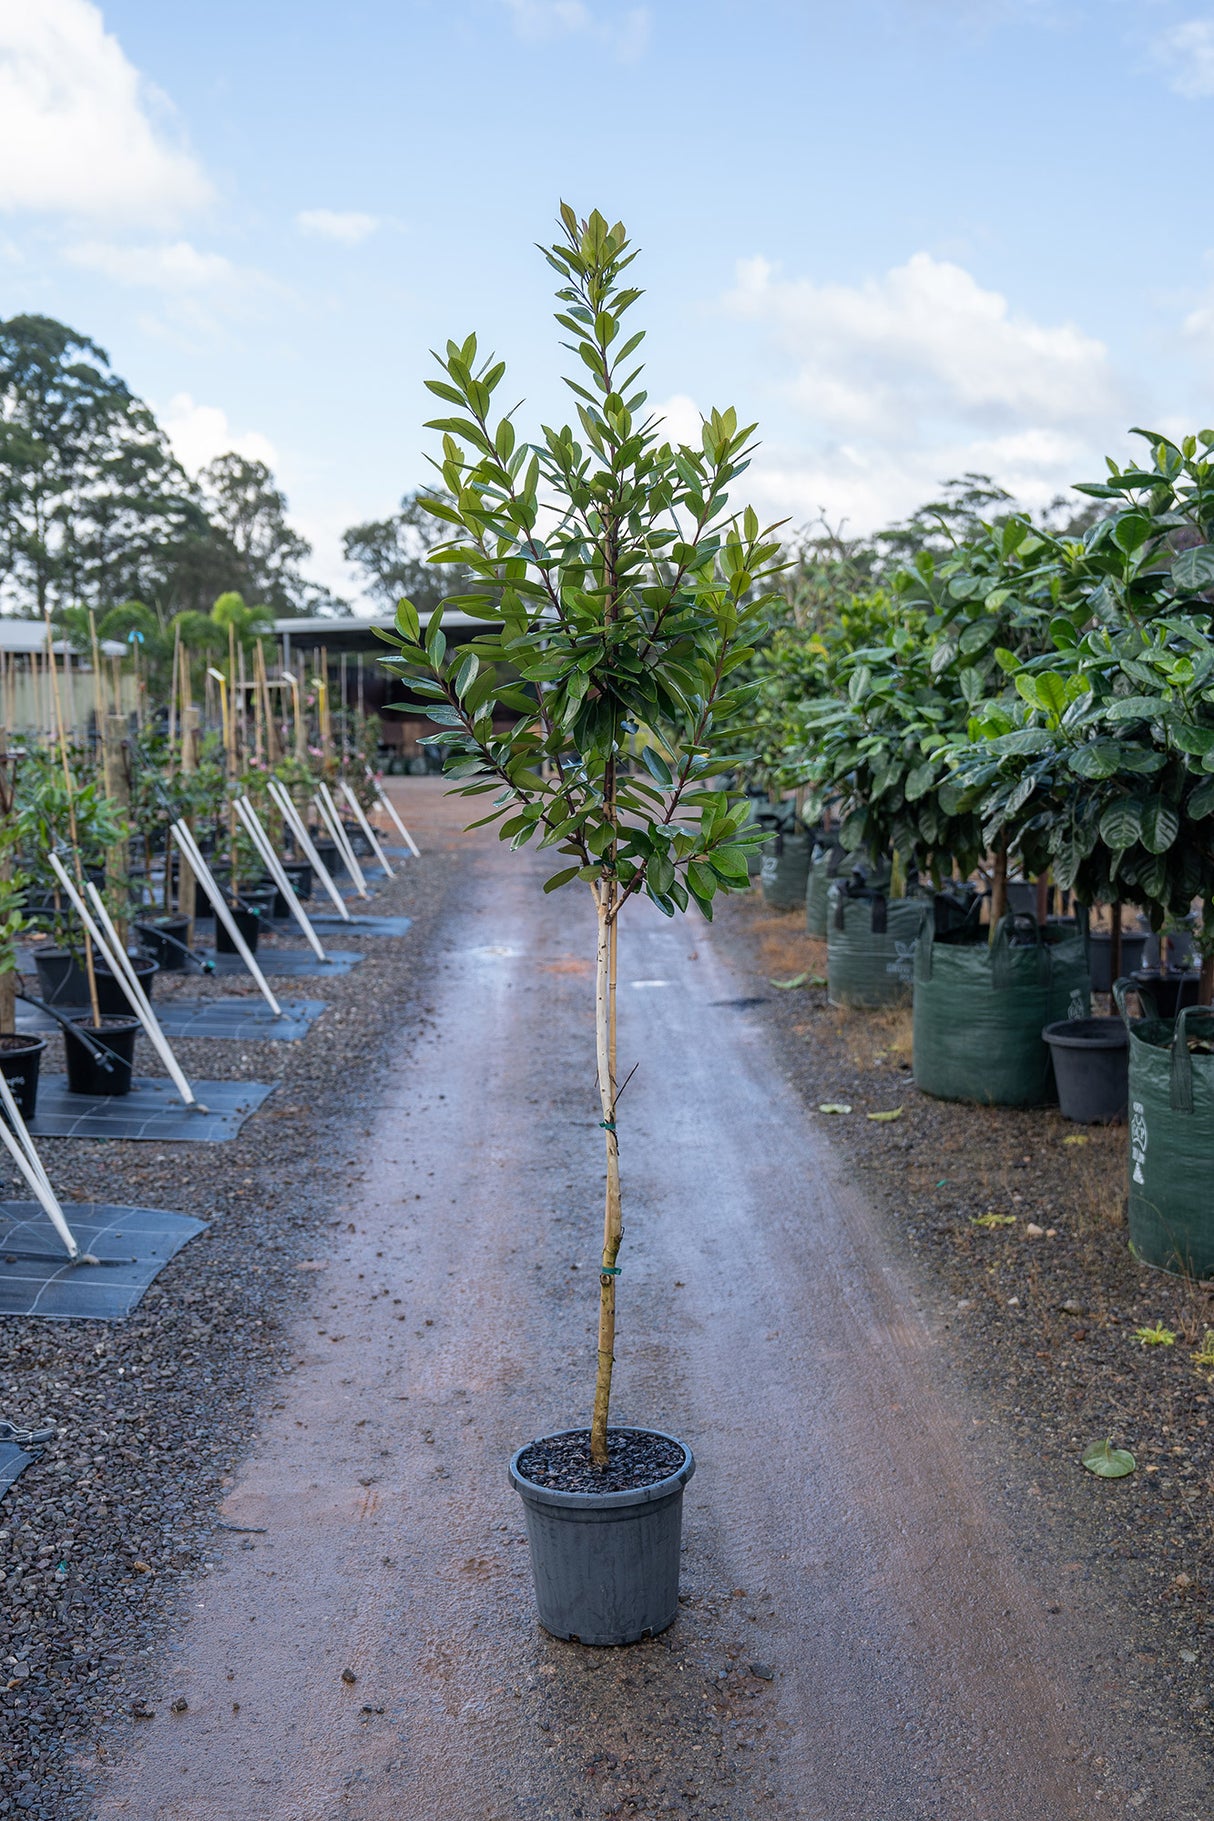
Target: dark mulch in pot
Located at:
point(635, 1458)
point(1017, 1220)
point(101, 1539)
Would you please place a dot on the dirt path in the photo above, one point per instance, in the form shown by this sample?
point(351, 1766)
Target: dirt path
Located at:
point(836, 1534)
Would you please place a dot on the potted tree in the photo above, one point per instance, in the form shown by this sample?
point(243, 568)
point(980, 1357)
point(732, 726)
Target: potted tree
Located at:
point(622, 597)
point(20, 1054)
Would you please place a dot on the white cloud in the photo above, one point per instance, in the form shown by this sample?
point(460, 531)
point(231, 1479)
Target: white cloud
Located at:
point(680, 419)
point(889, 386)
point(173, 266)
point(625, 32)
point(1187, 52)
point(77, 133)
point(349, 226)
point(199, 433)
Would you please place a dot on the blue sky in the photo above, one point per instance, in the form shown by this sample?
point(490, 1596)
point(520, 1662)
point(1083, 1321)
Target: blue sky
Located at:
point(909, 237)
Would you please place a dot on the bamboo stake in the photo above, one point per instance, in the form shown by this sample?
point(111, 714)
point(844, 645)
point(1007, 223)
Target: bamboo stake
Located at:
point(173, 686)
point(99, 701)
point(69, 786)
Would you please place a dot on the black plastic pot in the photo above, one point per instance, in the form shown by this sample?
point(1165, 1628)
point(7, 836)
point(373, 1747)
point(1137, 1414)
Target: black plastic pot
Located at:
point(248, 922)
point(1091, 1068)
point(110, 997)
point(1100, 956)
point(164, 939)
point(85, 1074)
point(1169, 991)
point(61, 977)
point(20, 1057)
point(606, 1564)
point(329, 856)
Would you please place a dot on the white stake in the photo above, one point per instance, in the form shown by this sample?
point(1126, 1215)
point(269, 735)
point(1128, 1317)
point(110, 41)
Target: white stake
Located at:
point(115, 957)
point(140, 1004)
point(298, 828)
point(277, 872)
point(388, 804)
point(366, 827)
point(20, 1147)
point(329, 816)
point(202, 873)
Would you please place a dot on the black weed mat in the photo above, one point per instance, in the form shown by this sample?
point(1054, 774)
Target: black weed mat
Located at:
point(13, 1462)
point(245, 1020)
point(275, 962)
point(152, 1110)
point(358, 925)
point(132, 1246)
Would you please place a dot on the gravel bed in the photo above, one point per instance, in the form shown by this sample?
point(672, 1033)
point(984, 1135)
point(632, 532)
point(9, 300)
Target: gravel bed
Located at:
point(1017, 1222)
point(101, 1537)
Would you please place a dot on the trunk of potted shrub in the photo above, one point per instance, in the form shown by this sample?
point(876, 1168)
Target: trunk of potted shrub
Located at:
point(606, 1563)
point(980, 1008)
point(1171, 1103)
point(1091, 1058)
point(88, 1075)
point(20, 1059)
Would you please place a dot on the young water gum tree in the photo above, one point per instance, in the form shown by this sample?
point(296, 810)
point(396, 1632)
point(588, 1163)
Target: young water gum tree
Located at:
point(621, 596)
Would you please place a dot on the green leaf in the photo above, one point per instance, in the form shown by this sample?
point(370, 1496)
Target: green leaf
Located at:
point(1201, 803)
point(834, 1106)
point(883, 1118)
point(407, 622)
point(1193, 569)
point(562, 878)
point(1100, 759)
point(656, 766)
point(1121, 824)
point(1160, 825)
point(1107, 1462)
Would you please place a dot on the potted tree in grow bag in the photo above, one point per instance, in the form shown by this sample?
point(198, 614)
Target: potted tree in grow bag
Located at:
point(623, 597)
point(1106, 767)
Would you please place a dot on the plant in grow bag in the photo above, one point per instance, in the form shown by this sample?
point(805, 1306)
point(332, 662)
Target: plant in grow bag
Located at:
point(623, 596)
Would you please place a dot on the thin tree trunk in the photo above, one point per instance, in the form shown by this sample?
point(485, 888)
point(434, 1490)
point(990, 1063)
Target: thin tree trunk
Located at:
point(999, 889)
point(604, 1021)
point(1205, 985)
point(1115, 941)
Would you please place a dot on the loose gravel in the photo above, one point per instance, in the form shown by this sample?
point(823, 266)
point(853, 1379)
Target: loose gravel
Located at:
point(101, 1537)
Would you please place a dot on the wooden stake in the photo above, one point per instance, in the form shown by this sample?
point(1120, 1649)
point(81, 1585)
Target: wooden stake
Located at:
point(69, 786)
point(604, 1024)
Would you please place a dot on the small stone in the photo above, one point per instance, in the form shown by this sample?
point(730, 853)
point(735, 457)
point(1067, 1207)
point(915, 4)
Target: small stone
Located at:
point(348, 1677)
point(1034, 1231)
point(178, 1705)
point(1013, 1302)
point(141, 1711)
point(764, 1671)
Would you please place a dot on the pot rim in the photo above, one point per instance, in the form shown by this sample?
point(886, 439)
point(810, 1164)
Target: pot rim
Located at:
point(19, 1043)
point(110, 1021)
point(603, 1501)
point(1065, 1035)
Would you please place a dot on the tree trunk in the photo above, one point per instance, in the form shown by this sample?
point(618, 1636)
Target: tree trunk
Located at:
point(118, 791)
point(1043, 898)
point(1205, 985)
point(1115, 941)
point(604, 1023)
point(999, 889)
point(187, 896)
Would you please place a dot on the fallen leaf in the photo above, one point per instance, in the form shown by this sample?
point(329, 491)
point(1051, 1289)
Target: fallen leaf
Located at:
point(834, 1106)
point(1076, 1138)
point(1107, 1462)
point(992, 1220)
point(786, 986)
point(883, 1118)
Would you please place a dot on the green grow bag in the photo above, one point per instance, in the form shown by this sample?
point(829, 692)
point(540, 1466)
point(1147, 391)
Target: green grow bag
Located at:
point(785, 871)
point(824, 863)
point(1171, 1211)
point(870, 947)
point(980, 1009)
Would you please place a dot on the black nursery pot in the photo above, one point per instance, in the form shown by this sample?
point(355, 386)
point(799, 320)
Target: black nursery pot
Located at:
point(1170, 991)
point(61, 977)
point(164, 939)
point(85, 1074)
point(248, 922)
point(328, 856)
point(111, 1000)
point(606, 1564)
point(1100, 956)
point(20, 1059)
point(1091, 1059)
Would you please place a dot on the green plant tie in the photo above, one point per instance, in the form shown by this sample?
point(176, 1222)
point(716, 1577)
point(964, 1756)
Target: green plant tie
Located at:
point(610, 1270)
point(608, 1125)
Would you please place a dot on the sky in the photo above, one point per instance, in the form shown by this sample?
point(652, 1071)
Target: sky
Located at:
point(908, 238)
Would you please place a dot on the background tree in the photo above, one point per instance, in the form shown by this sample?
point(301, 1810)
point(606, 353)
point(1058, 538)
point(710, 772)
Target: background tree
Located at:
point(256, 553)
point(394, 556)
